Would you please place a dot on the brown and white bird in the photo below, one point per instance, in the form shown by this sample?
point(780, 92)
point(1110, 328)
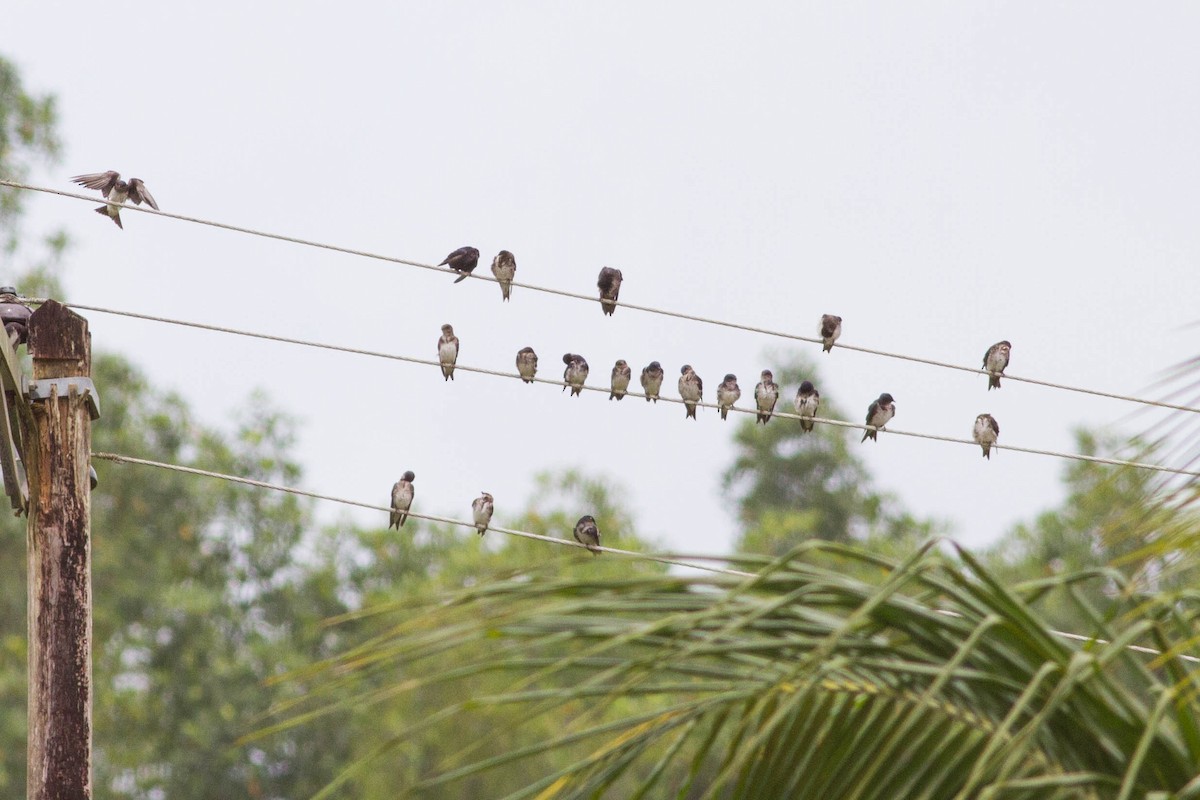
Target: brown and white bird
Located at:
point(808, 400)
point(527, 364)
point(652, 378)
point(986, 432)
point(116, 192)
point(575, 373)
point(482, 508)
point(587, 534)
point(691, 389)
point(504, 267)
point(621, 375)
point(766, 395)
point(402, 498)
point(727, 394)
point(878, 414)
point(995, 360)
point(463, 260)
point(609, 284)
point(829, 330)
point(447, 351)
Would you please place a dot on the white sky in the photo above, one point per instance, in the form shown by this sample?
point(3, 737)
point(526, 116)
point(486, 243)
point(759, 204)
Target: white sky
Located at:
point(942, 175)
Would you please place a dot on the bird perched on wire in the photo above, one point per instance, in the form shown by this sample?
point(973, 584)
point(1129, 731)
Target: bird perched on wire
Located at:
point(986, 432)
point(402, 498)
point(652, 378)
point(728, 393)
point(621, 375)
point(829, 330)
point(995, 360)
point(116, 192)
point(691, 389)
point(609, 284)
point(808, 400)
point(587, 534)
point(766, 395)
point(447, 351)
point(481, 509)
point(527, 364)
point(504, 267)
point(878, 414)
point(575, 373)
point(463, 260)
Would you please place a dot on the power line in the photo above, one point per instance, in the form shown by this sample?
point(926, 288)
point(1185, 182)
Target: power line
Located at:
point(594, 298)
point(499, 373)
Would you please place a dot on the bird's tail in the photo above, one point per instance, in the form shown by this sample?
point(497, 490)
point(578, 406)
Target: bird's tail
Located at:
point(827, 346)
point(462, 277)
point(690, 411)
point(993, 381)
point(115, 217)
point(806, 425)
point(724, 412)
point(403, 519)
point(987, 453)
point(868, 434)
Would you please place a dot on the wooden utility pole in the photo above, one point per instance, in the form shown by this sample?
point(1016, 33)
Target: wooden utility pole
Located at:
point(57, 454)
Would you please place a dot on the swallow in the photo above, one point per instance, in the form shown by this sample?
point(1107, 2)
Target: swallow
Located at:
point(829, 330)
point(621, 375)
point(504, 267)
point(575, 373)
point(402, 497)
point(727, 394)
point(766, 395)
point(878, 414)
point(587, 534)
point(610, 287)
point(448, 351)
point(527, 364)
point(808, 400)
point(652, 378)
point(986, 432)
point(691, 389)
point(116, 191)
point(463, 260)
point(995, 360)
point(482, 508)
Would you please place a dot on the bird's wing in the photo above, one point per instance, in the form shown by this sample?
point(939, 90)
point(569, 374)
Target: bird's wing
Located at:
point(139, 194)
point(104, 181)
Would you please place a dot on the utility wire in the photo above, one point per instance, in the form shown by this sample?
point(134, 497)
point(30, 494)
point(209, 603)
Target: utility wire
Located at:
point(498, 373)
point(594, 298)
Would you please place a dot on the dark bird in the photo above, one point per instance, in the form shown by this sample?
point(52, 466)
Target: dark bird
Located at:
point(402, 498)
point(447, 351)
point(527, 364)
point(482, 508)
point(463, 260)
point(652, 378)
point(575, 373)
point(808, 400)
point(829, 330)
point(994, 361)
point(504, 267)
point(878, 414)
point(116, 191)
point(610, 287)
point(727, 394)
point(766, 395)
point(986, 432)
point(587, 534)
point(621, 375)
point(691, 389)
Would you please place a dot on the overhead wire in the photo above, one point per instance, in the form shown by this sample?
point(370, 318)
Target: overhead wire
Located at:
point(593, 298)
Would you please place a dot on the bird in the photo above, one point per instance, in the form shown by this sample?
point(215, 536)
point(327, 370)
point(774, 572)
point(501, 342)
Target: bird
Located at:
point(766, 395)
point(116, 191)
point(691, 389)
point(609, 284)
point(587, 534)
point(482, 508)
point(652, 378)
point(463, 260)
point(575, 373)
point(621, 375)
point(986, 432)
point(995, 360)
point(448, 351)
point(829, 329)
point(527, 364)
point(504, 267)
point(878, 414)
point(402, 498)
point(727, 394)
point(808, 400)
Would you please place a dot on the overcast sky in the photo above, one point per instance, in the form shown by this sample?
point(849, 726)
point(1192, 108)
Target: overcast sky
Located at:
point(942, 175)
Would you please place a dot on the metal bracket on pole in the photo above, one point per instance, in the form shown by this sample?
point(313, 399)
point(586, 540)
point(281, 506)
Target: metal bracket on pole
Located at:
point(40, 390)
point(14, 407)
